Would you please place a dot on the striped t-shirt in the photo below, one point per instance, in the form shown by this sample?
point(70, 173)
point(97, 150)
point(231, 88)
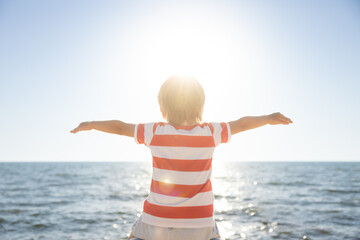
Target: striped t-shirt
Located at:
point(181, 194)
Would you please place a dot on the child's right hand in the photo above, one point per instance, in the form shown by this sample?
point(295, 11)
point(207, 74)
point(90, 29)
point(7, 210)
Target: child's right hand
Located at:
point(278, 118)
point(84, 126)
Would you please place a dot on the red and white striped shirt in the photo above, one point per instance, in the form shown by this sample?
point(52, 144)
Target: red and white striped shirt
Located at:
point(181, 194)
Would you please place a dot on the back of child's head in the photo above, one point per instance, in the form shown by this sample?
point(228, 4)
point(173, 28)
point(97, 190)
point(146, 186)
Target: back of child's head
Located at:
point(181, 100)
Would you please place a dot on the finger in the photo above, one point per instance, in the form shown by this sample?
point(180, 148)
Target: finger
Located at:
point(282, 121)
point(74, 130)
point(282, 118)
point(288, 120)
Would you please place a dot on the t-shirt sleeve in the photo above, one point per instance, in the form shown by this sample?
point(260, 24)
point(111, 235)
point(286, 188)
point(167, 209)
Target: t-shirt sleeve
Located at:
point(221, 133)
point(144, 133)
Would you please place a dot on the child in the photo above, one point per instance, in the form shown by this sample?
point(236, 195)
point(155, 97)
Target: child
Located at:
point(180, 203)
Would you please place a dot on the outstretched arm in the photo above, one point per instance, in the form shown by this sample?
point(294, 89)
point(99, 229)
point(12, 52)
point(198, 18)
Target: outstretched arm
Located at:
point(247, 123)
point(112, 126)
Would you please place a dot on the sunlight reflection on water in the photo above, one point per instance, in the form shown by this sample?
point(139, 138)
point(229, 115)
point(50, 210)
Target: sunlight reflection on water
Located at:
point(252, 200)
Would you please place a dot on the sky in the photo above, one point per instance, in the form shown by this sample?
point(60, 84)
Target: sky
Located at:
point(65, 62)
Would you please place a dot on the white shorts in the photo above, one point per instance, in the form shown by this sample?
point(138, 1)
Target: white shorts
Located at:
point(151, 232)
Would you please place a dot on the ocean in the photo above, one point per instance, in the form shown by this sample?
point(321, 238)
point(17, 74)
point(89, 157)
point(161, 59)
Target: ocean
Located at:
point(253, 200)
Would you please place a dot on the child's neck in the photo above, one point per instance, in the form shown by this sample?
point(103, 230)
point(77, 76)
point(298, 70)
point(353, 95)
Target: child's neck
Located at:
point(186, 123)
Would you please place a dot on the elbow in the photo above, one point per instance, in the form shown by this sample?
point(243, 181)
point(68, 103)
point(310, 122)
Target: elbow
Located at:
point(119, 127)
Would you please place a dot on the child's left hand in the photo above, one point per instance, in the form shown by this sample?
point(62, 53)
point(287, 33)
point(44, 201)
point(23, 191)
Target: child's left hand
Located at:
point(278, 118)
point(84, 126)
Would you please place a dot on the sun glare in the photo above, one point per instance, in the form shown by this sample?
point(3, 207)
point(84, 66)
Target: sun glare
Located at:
point(199, 43)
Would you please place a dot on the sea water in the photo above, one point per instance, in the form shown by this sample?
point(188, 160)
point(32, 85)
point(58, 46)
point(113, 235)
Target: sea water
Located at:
point(253, 200)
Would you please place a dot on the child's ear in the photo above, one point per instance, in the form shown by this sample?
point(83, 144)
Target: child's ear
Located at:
point(163, 114)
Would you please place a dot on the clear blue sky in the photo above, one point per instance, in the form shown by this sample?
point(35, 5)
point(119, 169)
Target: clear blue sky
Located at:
point(64, 62)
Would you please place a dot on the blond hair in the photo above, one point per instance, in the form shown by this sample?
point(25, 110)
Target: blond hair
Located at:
point(181, 99)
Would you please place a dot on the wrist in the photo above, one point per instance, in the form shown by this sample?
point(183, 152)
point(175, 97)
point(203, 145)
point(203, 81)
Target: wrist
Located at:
point(268, 119)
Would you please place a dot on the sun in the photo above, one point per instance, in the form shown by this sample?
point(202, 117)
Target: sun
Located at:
point(195, 44)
